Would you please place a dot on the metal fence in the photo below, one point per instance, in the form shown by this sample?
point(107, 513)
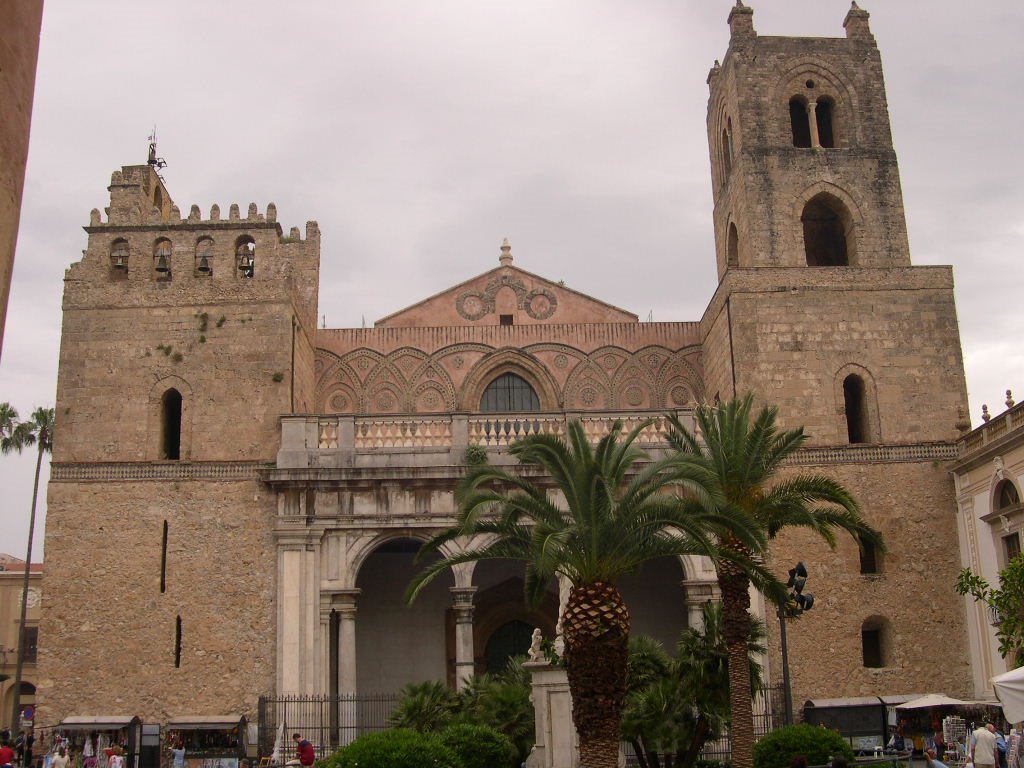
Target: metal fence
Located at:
point(328, 722)
point(332, 721)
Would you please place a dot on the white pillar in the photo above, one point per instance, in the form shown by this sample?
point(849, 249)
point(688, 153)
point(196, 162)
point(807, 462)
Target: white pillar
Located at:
point(812, 122)
point(324, 674)
point(462, 603)
point(345, 605)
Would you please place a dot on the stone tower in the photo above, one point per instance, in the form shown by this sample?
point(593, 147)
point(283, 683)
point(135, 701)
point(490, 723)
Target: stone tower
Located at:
point(184, 340)
point(819, 311)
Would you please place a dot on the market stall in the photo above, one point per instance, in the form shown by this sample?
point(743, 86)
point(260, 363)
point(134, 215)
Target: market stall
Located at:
point(217, 741)
point(99, 738)
point(1009, 687)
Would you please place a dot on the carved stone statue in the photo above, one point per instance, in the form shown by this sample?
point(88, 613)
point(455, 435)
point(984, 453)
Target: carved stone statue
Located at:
point(535, 652)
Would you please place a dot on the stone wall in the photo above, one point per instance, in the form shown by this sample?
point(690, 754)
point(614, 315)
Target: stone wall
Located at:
point(19, 49)
point(924, 634)
point(109, 630)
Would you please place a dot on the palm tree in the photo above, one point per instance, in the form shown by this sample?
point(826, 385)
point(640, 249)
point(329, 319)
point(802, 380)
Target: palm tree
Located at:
point(15, 436)
point(744, 456)
point(677, 704)
point(616, 516)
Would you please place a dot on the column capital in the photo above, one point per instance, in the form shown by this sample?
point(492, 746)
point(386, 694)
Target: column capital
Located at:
point(344, 602)
point(462, 603)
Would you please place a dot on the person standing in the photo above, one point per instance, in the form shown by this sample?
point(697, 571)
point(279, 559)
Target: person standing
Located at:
point(983, 746)
point(6, 754)
point(60, 760)
point(304, 750)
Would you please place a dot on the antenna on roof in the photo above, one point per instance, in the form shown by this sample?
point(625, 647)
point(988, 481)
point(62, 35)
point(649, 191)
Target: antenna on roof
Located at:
point(323, 321)
point(650, 316)
point(153, 160)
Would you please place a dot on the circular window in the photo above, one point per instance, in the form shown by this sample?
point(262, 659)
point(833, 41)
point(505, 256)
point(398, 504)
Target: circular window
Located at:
point(809, 84)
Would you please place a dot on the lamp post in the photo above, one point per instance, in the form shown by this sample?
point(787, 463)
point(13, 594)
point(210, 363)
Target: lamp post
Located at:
point(793, 605)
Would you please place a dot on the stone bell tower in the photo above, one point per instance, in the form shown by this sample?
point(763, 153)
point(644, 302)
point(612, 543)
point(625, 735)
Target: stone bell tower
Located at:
point(820, 312)
point(185, 338)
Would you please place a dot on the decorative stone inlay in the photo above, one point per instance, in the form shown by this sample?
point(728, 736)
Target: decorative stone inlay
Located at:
point(472, 306)
point(561, 361)
point(431, 400)
point(679, 396)
point(653, 360)
point(609, 361)
point(144, 470)
point(339, 402)
point(588, 395)
point(363, 363)
point(458, 361)
point(385, 401)
point(634, 395)
point(540, 304)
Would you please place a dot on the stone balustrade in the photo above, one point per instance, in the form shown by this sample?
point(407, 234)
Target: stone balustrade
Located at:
point(336, 440)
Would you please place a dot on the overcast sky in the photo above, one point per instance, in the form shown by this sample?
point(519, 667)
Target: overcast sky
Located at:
point(419, 134)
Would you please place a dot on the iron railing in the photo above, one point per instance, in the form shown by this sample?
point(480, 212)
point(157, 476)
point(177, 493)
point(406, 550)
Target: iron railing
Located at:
point(328, 722)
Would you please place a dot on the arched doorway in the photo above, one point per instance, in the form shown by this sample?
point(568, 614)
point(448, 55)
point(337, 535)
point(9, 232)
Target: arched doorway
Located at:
point(397, 643)
point(656, 600)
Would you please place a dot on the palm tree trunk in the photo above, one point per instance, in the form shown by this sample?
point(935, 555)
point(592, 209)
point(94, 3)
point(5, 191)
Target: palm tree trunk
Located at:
point(736, 631)
point(16, 707)
point(596, 624)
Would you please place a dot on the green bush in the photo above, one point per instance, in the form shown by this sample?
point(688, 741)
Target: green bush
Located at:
point(479, 746)
point(817, 744)
point(426, 706)
point(396, 748)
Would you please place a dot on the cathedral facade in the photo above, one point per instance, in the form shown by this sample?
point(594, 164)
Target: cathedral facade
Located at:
point(258, 487)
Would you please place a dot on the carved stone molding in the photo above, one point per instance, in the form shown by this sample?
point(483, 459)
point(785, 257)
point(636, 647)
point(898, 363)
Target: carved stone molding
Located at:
point(113, 471)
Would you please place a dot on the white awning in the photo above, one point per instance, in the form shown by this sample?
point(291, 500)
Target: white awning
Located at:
point(96, 723)
point(1009, 687)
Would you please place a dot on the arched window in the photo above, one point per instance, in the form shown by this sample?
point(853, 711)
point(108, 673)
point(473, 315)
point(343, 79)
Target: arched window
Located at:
point(204, 257)
point(873, 642)
point(1006, 495)
point(732, 252)
point(855, 404)
point(119, 251)
point(823, 117)
point(162, 259)
point(727, 150)
point(245, 256)
point(509, 393)
point(510, 639)
point(170, 425)
point(799, 122)
point(824, 225)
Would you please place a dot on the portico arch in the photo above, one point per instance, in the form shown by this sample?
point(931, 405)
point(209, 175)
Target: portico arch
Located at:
point(514, 361)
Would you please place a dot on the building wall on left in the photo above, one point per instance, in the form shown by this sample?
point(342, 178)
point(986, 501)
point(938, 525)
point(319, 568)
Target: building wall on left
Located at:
point(19, 51)
point(12, 574)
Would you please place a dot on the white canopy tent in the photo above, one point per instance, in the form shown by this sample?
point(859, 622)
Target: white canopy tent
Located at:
point(1009, 688)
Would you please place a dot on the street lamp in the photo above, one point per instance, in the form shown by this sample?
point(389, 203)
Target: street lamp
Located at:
point(794, 604)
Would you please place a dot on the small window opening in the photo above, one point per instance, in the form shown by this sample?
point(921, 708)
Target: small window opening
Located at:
point(505, 319)
point(824, 234)
point(509, 394)
point(871, 645)
point(204, 257)
point(177, 642)
point(245, 257)
point(170, 422)
point(726, 153)
point(119, 259)
point(1007, 495)
point(158, 200)
point(868, 558)
point(854, 403)
point(823, 116)
point(810, 85)
point(163, 560)
point(799, 122)
point(732, 257)
point(1011, 545)
point(162, 259)
point(31, 639)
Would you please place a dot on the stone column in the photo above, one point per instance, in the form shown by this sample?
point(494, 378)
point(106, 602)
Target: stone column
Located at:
point(812, 121)
point(345, 604)
point(697, 593)
point(462, 603)
point(324, 657)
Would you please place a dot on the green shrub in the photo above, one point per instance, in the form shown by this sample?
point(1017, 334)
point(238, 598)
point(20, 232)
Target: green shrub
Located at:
point(426, 706)
point(817, 744)
point(396, 748)
point(475, 455)
point(479, 746)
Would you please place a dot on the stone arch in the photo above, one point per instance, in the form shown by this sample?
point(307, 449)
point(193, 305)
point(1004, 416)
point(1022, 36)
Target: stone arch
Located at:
point(364, 363)
point(868, 419)
point(845, 207)
point(155, 418)
point(509, 360)
point(828, 84)
point(431, 375)
point(340, 398)
point(1005, 495)
point(362, 550)
point(633, 385)
point(732, 245)
point(407, 360)
point(588, 387)
point(679, 371)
